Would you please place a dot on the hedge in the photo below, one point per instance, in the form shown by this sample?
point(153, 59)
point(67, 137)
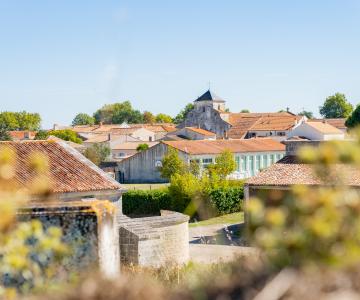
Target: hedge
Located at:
point(140, 202)
point(227, 199)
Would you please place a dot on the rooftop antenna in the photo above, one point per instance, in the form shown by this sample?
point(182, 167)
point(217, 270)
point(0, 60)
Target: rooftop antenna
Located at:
point(209, 84)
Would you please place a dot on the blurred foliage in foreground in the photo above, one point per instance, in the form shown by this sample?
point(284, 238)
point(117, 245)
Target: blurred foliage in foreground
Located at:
point(29, 254)
point(313, 225)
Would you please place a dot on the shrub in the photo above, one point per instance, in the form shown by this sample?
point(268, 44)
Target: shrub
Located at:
point(146, 202)
point(227, 199)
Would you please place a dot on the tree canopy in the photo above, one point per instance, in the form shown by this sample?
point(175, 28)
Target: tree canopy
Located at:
point(4, 135)
point(148, 117)
point(336, 106)
point(172, 164)
point(245, 111)
point(66, 135)
point(97, 153)
point(180, 117)
point(354, 119)
point(118, 113)
point(163, 118)
point(307, 114)
point(142, 147)
point(83, 119)
point(224, 166)
point(20, 120)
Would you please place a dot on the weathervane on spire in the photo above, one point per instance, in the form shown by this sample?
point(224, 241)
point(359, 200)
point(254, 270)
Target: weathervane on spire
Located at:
point(209, 83)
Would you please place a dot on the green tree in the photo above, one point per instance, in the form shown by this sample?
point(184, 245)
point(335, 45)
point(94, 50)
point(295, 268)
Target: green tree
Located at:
point(163, 118)
point(118, 113)
point(245, 111)
point(66, 135)
point(336, 106)
point(142, 147)
point(354, 119)
point(181, 116)
point(28, 121)
point(97, 153)
point(42, 135)
point(20, 120)
point(307, 114)
point(148, 117)
point(4, 135)
point(224, 165)
point(172, 164)
point(83, 119)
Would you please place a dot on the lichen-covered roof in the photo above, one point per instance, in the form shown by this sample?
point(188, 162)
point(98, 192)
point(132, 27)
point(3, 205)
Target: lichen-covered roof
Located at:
point(289, 171)
point(69, 171)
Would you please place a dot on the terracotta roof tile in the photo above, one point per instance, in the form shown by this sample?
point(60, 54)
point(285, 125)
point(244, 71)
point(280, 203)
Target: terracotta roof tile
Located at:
point(244, 122)
point(338, 123)
point(69, 171)
point(217, 146)
point(324, 127)
point(288, 171)
point(201, 131)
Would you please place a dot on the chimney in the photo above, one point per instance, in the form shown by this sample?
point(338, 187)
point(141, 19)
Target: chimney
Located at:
point(109, 136)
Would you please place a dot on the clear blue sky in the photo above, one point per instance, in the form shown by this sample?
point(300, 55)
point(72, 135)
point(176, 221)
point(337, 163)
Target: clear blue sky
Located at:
point(59, 58)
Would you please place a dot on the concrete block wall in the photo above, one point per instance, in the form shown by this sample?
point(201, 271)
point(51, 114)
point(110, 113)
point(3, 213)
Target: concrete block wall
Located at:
point(154, 241)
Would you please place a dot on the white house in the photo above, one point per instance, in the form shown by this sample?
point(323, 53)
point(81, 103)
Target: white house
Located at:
point(318, 131)
point(251, 155)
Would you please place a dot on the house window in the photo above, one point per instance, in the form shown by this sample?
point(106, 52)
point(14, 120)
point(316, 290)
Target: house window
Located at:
point(257, 163)
point(265, 161)
point(150, 138)
point(245, 163)
point(281, 133)
point(203, 109)
point(237, 160)
point(272, 159)
point(206, 162)
point(251, 165)
point(278, 157)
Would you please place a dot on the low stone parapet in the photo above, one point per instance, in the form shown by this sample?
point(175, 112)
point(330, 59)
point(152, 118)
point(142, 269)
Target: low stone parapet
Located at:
point(154, 241)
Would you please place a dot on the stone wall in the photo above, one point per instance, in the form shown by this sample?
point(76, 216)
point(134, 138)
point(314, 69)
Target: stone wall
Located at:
point(154, 241)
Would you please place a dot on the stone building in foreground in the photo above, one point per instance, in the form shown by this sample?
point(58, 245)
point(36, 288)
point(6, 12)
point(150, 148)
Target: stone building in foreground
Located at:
point(78, 203)
point(251, 156)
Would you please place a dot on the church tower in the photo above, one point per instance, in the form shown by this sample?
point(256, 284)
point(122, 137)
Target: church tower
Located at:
point(211, 101)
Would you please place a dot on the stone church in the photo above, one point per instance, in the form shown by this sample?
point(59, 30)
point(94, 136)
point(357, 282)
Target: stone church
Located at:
point(209, 114)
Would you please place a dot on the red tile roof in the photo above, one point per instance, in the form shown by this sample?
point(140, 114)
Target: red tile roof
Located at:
point(244, 122)
point(69, 171)
point(338, 123)
point(106, 128)
point(324, 127)
point(217, 146)
point(289, 171)
point(201, 131)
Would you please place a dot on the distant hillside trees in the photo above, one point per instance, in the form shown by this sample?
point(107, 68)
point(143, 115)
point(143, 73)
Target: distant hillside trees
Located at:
point(118, 113)
point(148, 117)
point(163, 118)
point(83, 119)
point(336, 106)
point(20, 120)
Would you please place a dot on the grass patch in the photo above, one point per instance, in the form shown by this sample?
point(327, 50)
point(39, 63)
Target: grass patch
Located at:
point(234, 218)
point(144, 186)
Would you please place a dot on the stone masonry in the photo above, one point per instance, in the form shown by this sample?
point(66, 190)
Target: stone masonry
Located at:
point(154, 241)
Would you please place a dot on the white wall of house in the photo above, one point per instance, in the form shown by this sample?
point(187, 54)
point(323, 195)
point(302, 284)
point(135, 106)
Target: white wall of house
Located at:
point(276, 135)
point(247, 164)
point(305, 130)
